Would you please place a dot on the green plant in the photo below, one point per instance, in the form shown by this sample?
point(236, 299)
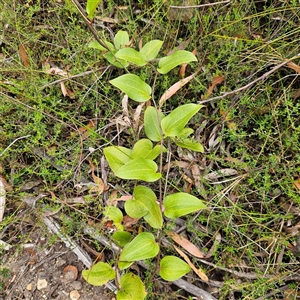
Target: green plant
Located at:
point(139, 163)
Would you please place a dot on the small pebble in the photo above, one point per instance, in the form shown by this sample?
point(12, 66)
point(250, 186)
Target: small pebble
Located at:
point(29, 287)
point(76, 285)
point(74, 295)
point(60, 262)
point(41, 284)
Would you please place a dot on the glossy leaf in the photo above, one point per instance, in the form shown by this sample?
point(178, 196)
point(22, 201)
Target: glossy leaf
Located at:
point(173, 268)
point(91, 6)
point(189, 144)
point(144, 148)
point(167, 63)
point(121, 238)
point(151, 49)
point(132, 56)
point(174, 123)
point(132, 288)
point(121, 39)
point(180, 204)
point(139, 169)
point(113, 213)
point(145, 200)
point(117, 156)
point(152, 120)
point(99, 274)
point(141, 247)
point(133, 86)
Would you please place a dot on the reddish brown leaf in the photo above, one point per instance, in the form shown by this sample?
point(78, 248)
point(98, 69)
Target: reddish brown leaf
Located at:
point(186, 244)
point(199, 272)
point(97, 180)
point(297, 184)
point(216, 80)
point(23, 55)
point(294, 67)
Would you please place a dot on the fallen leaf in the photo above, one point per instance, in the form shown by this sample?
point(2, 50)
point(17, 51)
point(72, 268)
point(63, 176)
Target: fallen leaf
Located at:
point(23, 55)
point(216, 80)
point(186, 244)
point(220, 173)
point(199, 272)
point(128, 221)
point(175, 87)
point(2, 199)
point(97, 180)
point(294, 67)
point(297, 184)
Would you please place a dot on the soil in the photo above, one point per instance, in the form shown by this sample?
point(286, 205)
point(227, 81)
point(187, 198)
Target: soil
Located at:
point(47, 271)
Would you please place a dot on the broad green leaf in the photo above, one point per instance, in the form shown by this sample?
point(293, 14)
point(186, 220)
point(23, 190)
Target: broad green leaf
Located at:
point(189, 144)
point(132, 288)
point(117, 156)
point(96, 45)
point(121, 39)
point(121, 238)
point(152, 120)
point(133, 86)
point(151, 49)
point(91, 6)
point(141, 247)
point(135, 209)
point(124, 264)
point(185, 132)
point(167, 63)
point(113, 213)
point(132, 56)
point(99, 274)
point(173, 268)
point(180, 204)
point(139, 169)
point(173, 124)
point(145, 200)
point(119, 63)
point(144, 148)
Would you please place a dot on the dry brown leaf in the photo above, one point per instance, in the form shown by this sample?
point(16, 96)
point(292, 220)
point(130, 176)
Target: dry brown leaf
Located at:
point(199, 272)
point(128, 221)
point(216, 80)
point(2, 199)
point(186, 244)
point(23, 55)
point(57, 71)
point(296, 184)
point(97, 180)
point(175, 87)
point(294, 67)
point(213, 248)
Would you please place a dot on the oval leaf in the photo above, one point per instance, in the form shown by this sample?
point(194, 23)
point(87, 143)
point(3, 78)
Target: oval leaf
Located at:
point(180, 204)
point(91, 6)
point(113, 213)
point(117, 156)
point(119, 63)
point(167, 63)
point(121, 238)
point(139, 169)
point(135, 209)
point(151, 49)
point(99, 274)
point(121, 39)
point(132, 56)
point(189, 144)
point(144, 148)
point(173, 124)
point(133, 86)
point(173, 268)
point(131, 288)
point(152, 120)
point(141, 247)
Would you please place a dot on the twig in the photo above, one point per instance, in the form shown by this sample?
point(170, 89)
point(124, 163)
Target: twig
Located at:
point(264, 76)
point(19, 138)
point(201, 5)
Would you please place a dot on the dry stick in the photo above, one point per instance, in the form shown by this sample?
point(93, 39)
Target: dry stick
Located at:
point(201, 5)
point(264, 76)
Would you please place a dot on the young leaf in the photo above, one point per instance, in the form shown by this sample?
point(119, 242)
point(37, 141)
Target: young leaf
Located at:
point(189, 144)
point(139, 169)
point(99, 274)
point(121, 39)
point(119, 63)
point(144, 148)
point(174, 123)
point(133, 86)
point(173, 268)
point(167, 63)
point(96, 45)
point(132, 56)
point(185, 132)
point(145, 198)
point(180, 204)
point(141, 247)
point(152, 119)
point(117, 156)
point(113, 213)
point(151, 49)
point(135, 209)
point(91, 6)
point(131, 288)
point(121, 238)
